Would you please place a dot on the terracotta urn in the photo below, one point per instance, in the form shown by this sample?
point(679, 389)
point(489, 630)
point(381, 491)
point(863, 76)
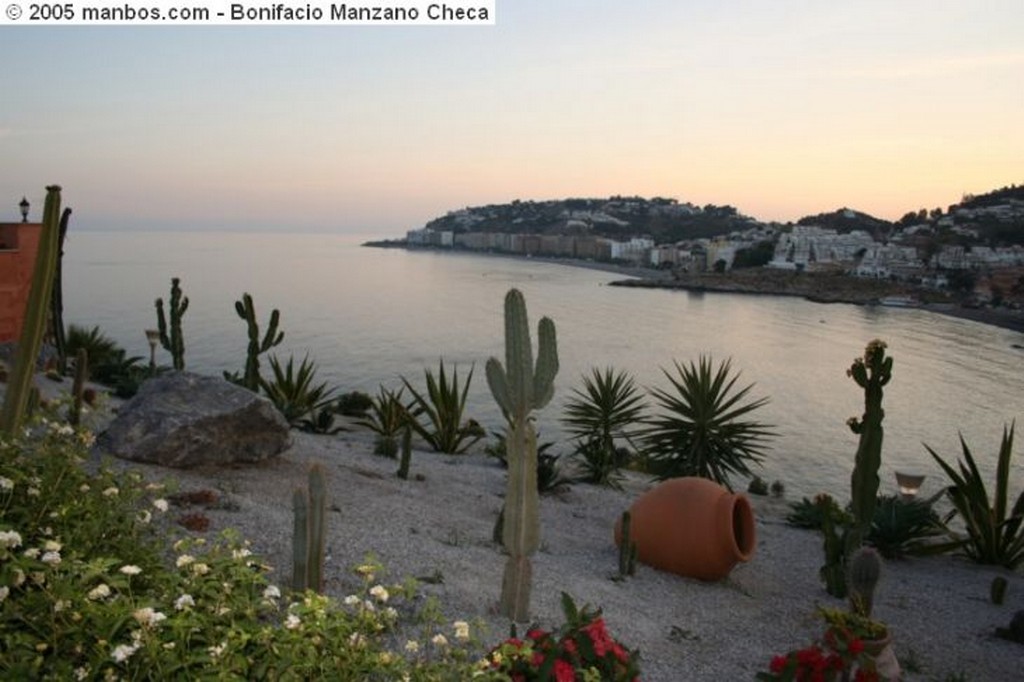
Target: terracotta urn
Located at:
point(692, 527)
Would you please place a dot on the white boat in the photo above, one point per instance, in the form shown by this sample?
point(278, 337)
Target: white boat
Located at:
point(898, 301)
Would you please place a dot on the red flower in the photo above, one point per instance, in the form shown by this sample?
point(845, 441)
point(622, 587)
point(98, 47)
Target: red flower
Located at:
point(778, 664)
point(564, 672)
point(856, 646)
point(569, 646)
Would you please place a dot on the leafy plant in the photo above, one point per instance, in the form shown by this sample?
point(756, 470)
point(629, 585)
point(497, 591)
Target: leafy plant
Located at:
point(902, 527)
point(443, 405)
point(809, 513)
point(387, 416)
point(607, 409)
point(600, 466)
point(292, 390)
point(705, 428)
point(995, 532)
point(758, 486)
point(353, 404)
point(99, 348)
point(321, 420)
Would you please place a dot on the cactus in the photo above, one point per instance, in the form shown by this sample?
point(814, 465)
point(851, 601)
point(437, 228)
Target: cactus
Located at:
point(246, 311)
point(627, 548)
point(872, 373)
point(309, 508)
point(997, 590)
point(173, 341)
point(403, 465)
point(832, 573)
point(16, 400)
point(519, 387)
point(864, 569)
point(78, 387)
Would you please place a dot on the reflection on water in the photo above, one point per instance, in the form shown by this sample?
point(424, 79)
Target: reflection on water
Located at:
point(368, 316)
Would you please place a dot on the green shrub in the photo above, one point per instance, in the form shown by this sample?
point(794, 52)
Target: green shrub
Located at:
point(443, 406)
point(292, 390)
point(810, 514)
point(98, 346)
point(387, 417)
point(704, 429)
point(995, 533)
point(607, 409)
point(902, 527)
point(758, 486)
point(353, 404)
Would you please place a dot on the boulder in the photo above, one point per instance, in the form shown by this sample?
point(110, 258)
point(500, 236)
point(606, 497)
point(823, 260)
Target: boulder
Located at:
point(182, 420)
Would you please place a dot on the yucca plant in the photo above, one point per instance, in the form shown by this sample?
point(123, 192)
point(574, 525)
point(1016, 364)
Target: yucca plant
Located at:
point(99, 348)
point(292, 390)
point(705, 429)
point(386, 417)
point(607, 409)
point(993, 535)
point(443, 406)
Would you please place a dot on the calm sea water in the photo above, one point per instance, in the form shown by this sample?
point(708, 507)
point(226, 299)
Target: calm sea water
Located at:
point(368, 316)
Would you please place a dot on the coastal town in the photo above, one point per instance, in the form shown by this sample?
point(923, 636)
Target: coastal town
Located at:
point(971, 254)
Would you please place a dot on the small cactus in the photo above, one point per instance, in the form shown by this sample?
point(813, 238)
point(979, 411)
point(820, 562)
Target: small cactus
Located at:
point(997, 590)
point(864, 568)
point(309, 508)
point(78, 387)
point(403, 465)
point(172, 339)
point(627, 548)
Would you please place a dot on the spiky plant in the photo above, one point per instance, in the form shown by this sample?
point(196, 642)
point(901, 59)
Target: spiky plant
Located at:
point(99, 348)
point(608, 408)
point(293, 391)
point(705, 427)
point(387, 416)
point(995, 532)
point(443, 406)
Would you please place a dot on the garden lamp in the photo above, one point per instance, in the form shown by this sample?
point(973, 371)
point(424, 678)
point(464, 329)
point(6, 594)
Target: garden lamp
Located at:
point(23, 205)
point(908, 485)
point(152, 336)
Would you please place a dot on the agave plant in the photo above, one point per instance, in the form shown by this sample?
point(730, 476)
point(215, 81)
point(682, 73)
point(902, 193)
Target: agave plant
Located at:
point(292, 390)
point(993, 535)
point(902, 526)
point(321, 420)
point(705, 429)
point(608, 408)
point(386, 417)
point(443, 405)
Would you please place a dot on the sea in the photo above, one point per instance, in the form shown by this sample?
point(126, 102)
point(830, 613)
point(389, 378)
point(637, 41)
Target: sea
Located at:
point(370, 316)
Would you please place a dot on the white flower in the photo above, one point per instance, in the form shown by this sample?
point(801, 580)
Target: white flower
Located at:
point(82, 673)
point(144, 516)
point(184, 560)
point(52, 546)
point(130, 569)
point(84, 488)
point(368, 605)
point(240, 553)
point(223, 610)
point(122, 652)
point(161, 504)
point(10, 538)
point(216, 651)
point(271, 592)
point(32, 553)
point(351, 600)
point(390, 613)
point(154, 486)
point(52, 558)
point(110, 492)
point(379, 593)
point(32, 492)
point(461, 630)
point(357, 640)
point(439, 640)
point(19, 577)
point(183, 602)
point(200, 569)
point(148, 616)
point(38, 577)
point(60, 605)
point(4, 591)
point(292, 621)
point(412, 646)
point(6, 484)
point(101, 591)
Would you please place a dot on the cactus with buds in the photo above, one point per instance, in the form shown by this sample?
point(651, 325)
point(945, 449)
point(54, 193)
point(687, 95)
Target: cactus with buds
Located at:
point(19, 386)
point(864, 568)
point(172, 339)
point(78, 387)
point(272, 337)
point(309, 507)
point(519, 387)
point(872, 373)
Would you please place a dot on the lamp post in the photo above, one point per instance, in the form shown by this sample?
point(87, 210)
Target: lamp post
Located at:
point(152, 336)
point(23, 206)
point(908, 485)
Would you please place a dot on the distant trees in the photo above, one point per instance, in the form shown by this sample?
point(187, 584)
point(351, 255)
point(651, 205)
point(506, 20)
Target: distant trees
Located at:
point(756, 256)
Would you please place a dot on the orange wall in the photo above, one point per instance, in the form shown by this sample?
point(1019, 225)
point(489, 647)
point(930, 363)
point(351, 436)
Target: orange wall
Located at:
point(20, 242)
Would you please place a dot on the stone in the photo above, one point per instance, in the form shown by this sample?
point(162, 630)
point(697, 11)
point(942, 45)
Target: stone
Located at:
point(181, 419)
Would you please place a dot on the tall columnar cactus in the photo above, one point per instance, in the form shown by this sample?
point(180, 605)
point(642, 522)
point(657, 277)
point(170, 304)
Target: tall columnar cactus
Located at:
point(172, 340)
point(19, 385)
point(519, 387)
point(246, 311)
point(872, 373)
point(864, 568)
point(309, 508)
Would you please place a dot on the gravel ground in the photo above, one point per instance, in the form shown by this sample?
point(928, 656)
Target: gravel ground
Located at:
point(937, 608)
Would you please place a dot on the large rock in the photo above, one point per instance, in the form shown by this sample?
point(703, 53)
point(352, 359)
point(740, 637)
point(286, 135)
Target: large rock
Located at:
point(183, 420)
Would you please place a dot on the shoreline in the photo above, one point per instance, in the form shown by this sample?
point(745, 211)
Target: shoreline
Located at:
point(813, 287)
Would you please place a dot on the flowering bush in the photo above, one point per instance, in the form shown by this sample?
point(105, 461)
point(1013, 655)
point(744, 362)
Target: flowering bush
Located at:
point(840, 654)
point(582, 650)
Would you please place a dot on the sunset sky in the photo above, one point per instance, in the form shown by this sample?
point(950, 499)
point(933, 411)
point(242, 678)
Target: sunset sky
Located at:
point(782, 109)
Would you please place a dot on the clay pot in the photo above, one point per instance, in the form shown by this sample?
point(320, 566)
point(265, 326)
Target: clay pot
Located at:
point(692, 527)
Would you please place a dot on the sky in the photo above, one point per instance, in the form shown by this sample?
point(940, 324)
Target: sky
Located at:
point(781, 109)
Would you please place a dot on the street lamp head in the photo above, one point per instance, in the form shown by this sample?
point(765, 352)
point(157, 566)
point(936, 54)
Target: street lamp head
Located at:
point(153, 336)
point(23, 205)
